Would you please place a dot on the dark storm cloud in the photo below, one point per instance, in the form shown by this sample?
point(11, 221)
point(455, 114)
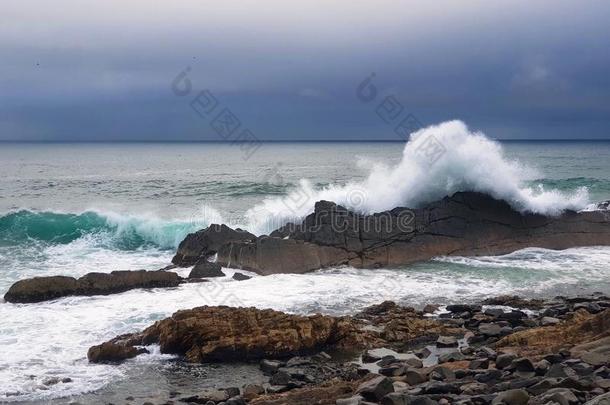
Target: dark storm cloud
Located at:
point(93, 70)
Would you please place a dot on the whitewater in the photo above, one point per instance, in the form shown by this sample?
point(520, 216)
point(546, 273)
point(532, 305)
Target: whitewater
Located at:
point(71, 209)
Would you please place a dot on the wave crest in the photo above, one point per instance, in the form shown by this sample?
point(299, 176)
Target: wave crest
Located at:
point(463, 161)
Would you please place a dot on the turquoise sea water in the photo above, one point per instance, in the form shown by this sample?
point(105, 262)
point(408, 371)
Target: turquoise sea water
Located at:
point(74, 208)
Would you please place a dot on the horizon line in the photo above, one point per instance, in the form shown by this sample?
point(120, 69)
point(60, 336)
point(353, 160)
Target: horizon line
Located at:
point(289, 141)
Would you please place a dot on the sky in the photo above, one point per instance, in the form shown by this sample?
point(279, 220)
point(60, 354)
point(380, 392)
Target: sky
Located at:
point(83, 70)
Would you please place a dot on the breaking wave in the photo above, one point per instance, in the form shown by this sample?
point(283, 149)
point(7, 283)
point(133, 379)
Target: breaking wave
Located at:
point(437, 161)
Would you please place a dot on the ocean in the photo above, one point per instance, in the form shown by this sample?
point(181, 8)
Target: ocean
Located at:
point(70, 209)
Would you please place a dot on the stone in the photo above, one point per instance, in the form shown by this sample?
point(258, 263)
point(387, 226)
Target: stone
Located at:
point(367, 357)
point(407, 399)
point(449, 357)
point(562, 396)
point(253, 390)
point(39, 289)
point(413, 362)
point(355, 400)
point(442, 373)
point(441, 387)
point(490, 329)
point(474, 388)
point(446, 341)
point(547, 320)
point(240, 276)
point(430, 309)
point(110, 352)
point(478, 364)
point(504, 360)
point(206, 242)
point(603, 399)
point(457, 308)
point(205, 269)
point(270, 366)
point(415, 377)
point(488, 376)
point(465, 223)
point(376, 388)
point(511, 397)
point(208, 334)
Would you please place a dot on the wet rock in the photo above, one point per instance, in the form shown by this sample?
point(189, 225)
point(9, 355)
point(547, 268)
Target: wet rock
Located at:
point(376, 388)
point(413, 362)
point(523, 367)
point(422, 353)
point(562, 396)
point(206, 242)
point(504, 360)
point(547, 320)
point(511, 397)
point(111, 352)
point(207, 334)
point(253, 390)
point(490, 329)
point(441, 387)
point(488, 376)
point(270, 366)
point(44, 288)
point(205, 269)
point(457, 308)
point(450, 357)
point(355, 400)
point(415, 377)
point(474, 388)
point(446, 341)
point(466, 223)
point(478, 364)
point(407, 399)
point(441, 373)
point(240, 276)
point(603, 399)
point(430, 309)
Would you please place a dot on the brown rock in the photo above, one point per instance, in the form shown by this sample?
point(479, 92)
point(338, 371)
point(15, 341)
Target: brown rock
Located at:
point(229, 334)
point(110, 352)
point(581, 328)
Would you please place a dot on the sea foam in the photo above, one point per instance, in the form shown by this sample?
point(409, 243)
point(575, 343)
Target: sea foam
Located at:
point(467, 161)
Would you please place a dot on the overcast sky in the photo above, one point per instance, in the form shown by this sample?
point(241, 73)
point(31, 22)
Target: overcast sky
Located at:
point(103, 70)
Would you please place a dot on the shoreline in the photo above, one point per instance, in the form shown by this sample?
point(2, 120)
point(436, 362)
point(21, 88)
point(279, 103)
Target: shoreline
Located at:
point(452, 356)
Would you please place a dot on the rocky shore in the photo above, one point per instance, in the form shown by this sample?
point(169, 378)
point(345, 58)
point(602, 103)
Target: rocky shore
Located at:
point(466, 223)
point(505, 350)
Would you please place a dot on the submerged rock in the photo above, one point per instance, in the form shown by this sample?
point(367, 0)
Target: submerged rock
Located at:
point(45, 288)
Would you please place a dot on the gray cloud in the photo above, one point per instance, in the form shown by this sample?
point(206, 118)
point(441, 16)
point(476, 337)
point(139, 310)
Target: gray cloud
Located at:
point(100, 70)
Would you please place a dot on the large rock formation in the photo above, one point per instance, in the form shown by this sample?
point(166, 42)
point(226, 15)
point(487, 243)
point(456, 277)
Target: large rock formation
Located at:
point(229, 334)
point(466, 223)
point(45, 288)
point(206, 242)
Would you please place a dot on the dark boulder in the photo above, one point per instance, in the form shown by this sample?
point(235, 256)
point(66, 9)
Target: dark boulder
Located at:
point(206, 242)
point(45, 288)
point(240, 276)
point(41, 289)
point(467, 223)
point(205, 269)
